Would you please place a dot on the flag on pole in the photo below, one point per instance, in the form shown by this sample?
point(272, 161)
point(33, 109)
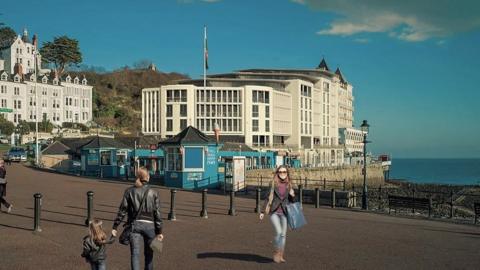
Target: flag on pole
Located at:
point(206, 49)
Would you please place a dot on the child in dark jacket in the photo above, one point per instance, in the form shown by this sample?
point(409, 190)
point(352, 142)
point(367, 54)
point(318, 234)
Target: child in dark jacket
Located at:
point(94, 246)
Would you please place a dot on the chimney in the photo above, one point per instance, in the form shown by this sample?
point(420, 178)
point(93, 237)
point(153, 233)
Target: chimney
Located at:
point(34, 41)
point(18, 69)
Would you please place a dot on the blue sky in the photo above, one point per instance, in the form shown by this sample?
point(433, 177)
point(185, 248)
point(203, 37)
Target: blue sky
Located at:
point(413, 64)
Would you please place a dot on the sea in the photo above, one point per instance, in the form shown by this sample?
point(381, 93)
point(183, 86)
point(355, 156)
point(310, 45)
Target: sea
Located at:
point(437, 171)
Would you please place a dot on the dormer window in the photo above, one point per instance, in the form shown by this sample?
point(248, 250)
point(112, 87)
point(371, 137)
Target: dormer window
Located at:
point(84, 81)
point(44, 80)
point(76, 80)
point(32, 78)
point(4, 76)
point(55, 81)
point(68, 79)
point(16, 78)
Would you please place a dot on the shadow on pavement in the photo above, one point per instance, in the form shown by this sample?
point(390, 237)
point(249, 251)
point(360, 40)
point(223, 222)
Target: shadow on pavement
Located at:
point(14, 227)
point(235, 256)
point(49, 220)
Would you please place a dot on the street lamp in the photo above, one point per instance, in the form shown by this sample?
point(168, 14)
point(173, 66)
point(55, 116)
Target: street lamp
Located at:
point(364, 127)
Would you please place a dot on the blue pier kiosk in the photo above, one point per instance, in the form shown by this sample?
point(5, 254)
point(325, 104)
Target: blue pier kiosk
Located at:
point(105, 157)
point(191, 160)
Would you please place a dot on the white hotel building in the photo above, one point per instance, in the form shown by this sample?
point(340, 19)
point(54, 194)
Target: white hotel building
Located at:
point(295, 111)
point(66, 99)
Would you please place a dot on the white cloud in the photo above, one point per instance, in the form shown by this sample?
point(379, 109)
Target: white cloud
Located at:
point(362, 40)
point(408, 20)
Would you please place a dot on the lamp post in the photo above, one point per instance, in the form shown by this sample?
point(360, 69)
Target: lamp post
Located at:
point(364, 127)
point(36, 105)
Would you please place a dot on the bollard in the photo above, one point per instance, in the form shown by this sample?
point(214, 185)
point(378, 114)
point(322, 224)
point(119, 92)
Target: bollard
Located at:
point(261, 180)
point(430, 203)
point(306, 182)
point(89, 207)
point(203, 213)
point(344, 184)
point(231, 211)
point(317, 197)
point(37, 211)
point(451, 204)
point(413, 201)
point(380, 204)
point(171, 215)
point(324, 184)
point(257, 200)
point(300, 194)
point(333, 198)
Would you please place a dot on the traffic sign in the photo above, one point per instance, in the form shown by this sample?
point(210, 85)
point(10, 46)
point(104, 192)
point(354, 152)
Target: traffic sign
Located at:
point(6, 110)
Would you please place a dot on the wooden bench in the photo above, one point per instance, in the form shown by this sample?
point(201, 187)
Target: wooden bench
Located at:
point(476, 208)
point(409, 203)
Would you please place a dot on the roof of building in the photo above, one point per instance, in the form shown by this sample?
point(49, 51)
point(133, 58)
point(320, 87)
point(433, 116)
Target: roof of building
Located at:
point(141, 141)
point(236, 147)
point(323, 65)
point(190, 135)
point(339, 73)
point(228, 138)
point(56, 148)
point(103, 142)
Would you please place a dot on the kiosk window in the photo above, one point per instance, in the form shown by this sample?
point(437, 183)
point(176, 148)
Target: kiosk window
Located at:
point(193, 158)
point(174, 159)
point(106, 157)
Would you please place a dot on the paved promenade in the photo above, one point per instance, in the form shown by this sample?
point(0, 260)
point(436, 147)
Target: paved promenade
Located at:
point(333, 239)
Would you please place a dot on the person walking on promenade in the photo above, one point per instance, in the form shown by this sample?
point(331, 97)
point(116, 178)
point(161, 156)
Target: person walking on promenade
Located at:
point(142, 204)
point(280, 194)
point(94, 245)
point(3, 187)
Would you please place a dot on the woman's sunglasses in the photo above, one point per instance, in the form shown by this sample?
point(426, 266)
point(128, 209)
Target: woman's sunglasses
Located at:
point(282, 172)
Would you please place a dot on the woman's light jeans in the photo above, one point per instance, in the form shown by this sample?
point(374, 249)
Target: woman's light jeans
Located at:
point(279, 222)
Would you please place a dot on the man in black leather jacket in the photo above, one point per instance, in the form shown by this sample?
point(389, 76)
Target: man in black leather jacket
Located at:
point(148, 224)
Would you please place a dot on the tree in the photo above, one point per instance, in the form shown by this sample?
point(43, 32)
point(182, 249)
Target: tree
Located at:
point(7, 35)
point(142, 64)
point(6, 127)
point(62, 52)
point(23, 127)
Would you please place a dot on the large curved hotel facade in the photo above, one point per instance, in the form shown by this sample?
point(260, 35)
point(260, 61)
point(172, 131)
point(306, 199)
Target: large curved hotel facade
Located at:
point(293, 111)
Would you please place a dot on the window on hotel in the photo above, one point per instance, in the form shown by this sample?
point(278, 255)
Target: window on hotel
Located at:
point(176, 95)
point(235, 96)
point(169, 110)
point(254, 110)
point(255, 125)
point(183, 124)
point(254, 96)
point(229, 96)
point(214, 95)
point(169, 96)
point(184, 95)
point(267, 125)
point(267, 112)
point(261, 97)
point(183, 110)
point(169, 125)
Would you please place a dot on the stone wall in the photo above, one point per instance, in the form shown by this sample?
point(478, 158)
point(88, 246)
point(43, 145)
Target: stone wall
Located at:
point(334, 176)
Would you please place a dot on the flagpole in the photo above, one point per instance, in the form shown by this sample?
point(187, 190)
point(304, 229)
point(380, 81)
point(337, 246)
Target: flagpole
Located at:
point(205, 58)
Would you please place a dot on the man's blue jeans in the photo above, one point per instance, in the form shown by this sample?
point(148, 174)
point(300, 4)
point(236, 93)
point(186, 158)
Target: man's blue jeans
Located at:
point(99, 265)
point(143, 232)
